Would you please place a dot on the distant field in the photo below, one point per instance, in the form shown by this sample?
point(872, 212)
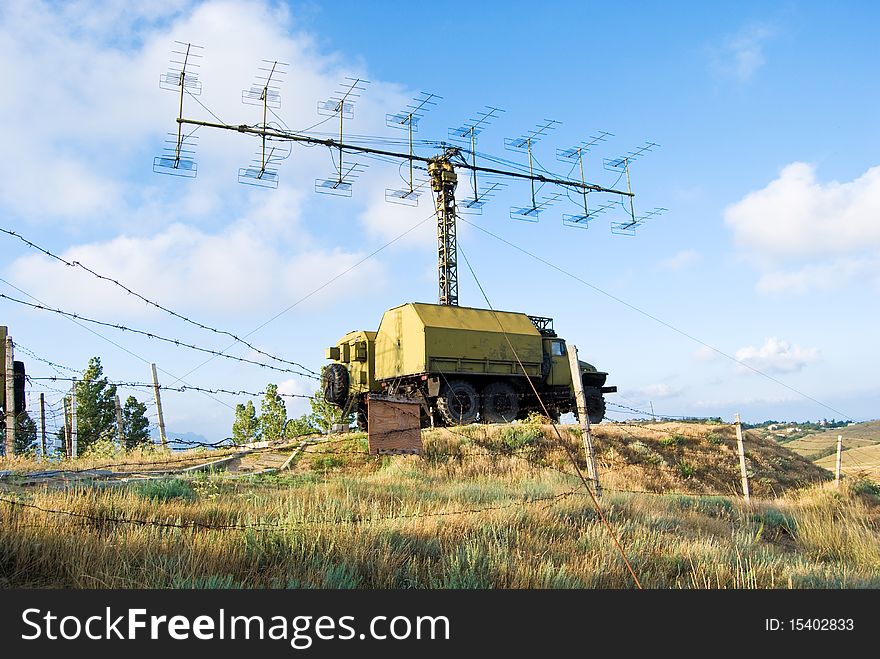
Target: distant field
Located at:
point(861, 448)
point(857, 461)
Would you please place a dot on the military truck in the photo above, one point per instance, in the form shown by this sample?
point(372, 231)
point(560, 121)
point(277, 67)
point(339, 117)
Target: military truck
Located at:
point(462, 364)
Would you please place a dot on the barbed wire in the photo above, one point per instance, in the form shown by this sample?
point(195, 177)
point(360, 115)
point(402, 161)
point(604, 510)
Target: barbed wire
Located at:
point(263, 526)
point(152, 303)
point(151, 335)
point(184, 388)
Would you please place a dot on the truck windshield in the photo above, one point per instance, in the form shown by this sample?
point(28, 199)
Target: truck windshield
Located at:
point(557, 348)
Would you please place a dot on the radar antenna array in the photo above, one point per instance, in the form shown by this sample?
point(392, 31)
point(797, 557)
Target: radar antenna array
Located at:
point(276, 143)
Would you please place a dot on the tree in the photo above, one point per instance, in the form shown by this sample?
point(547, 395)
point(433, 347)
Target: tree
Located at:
point(95, 406)
point(246, 426)
point(135, 424)
point(25, 433)
point(299, 427)
point(325, 415)
point(273, 414)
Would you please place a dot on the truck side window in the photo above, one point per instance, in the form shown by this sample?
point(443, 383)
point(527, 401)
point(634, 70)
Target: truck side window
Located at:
point(557, 348)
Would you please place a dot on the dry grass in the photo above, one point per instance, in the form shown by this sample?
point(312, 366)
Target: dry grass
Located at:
point(343, 519)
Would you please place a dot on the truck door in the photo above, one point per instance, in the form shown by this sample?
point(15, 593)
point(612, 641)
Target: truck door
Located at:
point(560, 371)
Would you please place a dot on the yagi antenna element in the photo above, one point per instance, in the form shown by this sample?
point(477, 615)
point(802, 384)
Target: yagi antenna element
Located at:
point(575, 156)
point(621, 165)
point(408, 119)
point(178, 160)
point(265, 92)
point(524, 144)
point(467, 133)
point(341, 103)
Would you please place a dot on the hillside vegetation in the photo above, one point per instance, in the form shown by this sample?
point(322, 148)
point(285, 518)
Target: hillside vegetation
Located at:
point(485, 507)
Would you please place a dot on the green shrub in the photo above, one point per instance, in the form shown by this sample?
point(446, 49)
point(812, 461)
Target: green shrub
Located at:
point(674, 439)
point(686, 469)
point(166, 489)
point(864, 487)
point(715, 438)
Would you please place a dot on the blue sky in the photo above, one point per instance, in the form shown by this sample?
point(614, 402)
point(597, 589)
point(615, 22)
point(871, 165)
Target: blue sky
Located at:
point(765, 113)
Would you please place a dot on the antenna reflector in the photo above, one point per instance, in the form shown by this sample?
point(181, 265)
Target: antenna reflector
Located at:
point(175, 166)
point(473, 205)
point(410, 116)
point(340, 186)
point(343, 99)
point(178, 156)
point(619, 164)
point(572, 154)
point(475, 125)
point(582, 220)
point(405, 197)
point(523, 143)
point(261, 177)
point(266, 89)
point(185, 59)
point(628, 228)
point(532, 213)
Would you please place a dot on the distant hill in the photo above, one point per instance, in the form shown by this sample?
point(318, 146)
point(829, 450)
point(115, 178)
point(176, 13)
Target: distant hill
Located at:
point(861, 448)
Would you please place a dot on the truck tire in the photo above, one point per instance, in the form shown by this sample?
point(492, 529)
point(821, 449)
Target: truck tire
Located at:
point(500, 403)
point(595, 404)
point(335, 383)
point(458, 403)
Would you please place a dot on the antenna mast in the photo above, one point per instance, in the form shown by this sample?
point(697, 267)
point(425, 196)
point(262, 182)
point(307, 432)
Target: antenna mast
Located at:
point(443, 182)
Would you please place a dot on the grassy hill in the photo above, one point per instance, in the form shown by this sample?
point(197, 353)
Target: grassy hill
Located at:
point(484, 507)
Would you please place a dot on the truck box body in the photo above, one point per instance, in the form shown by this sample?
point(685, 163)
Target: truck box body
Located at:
point(417, 338)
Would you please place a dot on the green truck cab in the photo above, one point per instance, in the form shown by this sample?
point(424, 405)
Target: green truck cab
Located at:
point(462, 364)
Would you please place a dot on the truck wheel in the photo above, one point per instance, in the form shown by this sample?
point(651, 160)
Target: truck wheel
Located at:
point(335, 382)
point(500, 403)
point(458, 403)
point(595, 405)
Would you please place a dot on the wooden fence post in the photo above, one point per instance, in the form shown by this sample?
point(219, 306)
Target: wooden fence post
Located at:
point(73, 437)
point(159, 407)
point(584, 418)
point(742, 459)
point(839, 452)
point(43, 425)
point(120, 428)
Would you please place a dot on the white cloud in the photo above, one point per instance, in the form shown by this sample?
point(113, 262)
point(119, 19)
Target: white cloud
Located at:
point(776, 356)
point(741, 55)
point(705, 354)
point(297, 387)
point(682, 259)
point(258, 263)
point(796, 215)
point(804, 234)
point(657, 391)
point(821, 276)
